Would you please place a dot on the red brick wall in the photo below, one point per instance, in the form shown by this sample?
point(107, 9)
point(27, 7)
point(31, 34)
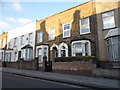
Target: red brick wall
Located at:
point(28, 64)
point(81, 68)
point(0, 63)
point(22, 64)
point(12, 64)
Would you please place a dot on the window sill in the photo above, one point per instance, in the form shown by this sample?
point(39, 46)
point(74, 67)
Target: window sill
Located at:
point(66, 37)
point(85, 33)
point(109, 28)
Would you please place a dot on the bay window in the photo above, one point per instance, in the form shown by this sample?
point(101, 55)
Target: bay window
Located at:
point(81, 48)
point(113, 44)
point(27, 54)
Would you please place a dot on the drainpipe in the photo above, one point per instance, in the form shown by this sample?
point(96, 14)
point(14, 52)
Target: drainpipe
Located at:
point(4, 55)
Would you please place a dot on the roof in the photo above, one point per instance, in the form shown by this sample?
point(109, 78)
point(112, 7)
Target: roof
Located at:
point(27, 46)
point(113, 32)
point(81, 38)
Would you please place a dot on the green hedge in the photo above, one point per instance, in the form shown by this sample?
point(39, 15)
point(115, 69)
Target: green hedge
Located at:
point(72, 59)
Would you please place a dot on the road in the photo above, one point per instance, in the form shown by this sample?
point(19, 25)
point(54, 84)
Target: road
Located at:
point(17, 81)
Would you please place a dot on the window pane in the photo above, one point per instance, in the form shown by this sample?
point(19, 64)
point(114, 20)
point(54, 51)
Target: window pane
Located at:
point(40, 55)
point(81, 48)
point(40, 36)
point(22, 39)
point(110, 53)
point(66, 26)
point(84, 21)
point(66, 33)
point(84, 27)
point(78, 49)
point(15, 42)
point(30, 54)
point(63, 53)
point(108, 20)
point(114, 49)
point(66, 30)
point(30, 37)
point(51, 34)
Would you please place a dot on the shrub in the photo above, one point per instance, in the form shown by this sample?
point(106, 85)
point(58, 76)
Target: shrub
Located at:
point(72, 59)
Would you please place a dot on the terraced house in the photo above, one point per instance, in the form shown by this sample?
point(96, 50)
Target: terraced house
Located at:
point(21, 42)
point(89, 29)
point(3, 45)
point(108, 28)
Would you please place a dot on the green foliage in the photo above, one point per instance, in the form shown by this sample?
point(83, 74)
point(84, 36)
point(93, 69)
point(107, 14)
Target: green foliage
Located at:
point(72, 59)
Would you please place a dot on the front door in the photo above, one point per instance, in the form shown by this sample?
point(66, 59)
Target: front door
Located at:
point(19, 55)
point(54, 53)
point(42, 51)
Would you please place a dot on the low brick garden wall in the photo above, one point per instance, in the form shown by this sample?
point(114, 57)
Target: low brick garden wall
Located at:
point(80, 68)
point(0, 63)
point(111, 73)
point(23, 64)
point(12, 64)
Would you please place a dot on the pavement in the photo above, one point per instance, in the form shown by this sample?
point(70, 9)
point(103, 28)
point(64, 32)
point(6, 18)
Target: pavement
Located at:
point(93, 82)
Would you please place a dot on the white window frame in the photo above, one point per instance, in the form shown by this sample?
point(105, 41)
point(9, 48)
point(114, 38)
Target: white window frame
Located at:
point(22, 39)
point(66, 49)
point(15, 42)
point(41, 47)
point(6, 56)
point(104, 17)
point(40, 38)
point(52, 34)
point(67, 30)
point(82, 26)
point(81, 41)
point(27, 54)
point(39, 54)
point(30, 37)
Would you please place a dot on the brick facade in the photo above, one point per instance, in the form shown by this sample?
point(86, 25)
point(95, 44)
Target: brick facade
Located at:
point(73, 15)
